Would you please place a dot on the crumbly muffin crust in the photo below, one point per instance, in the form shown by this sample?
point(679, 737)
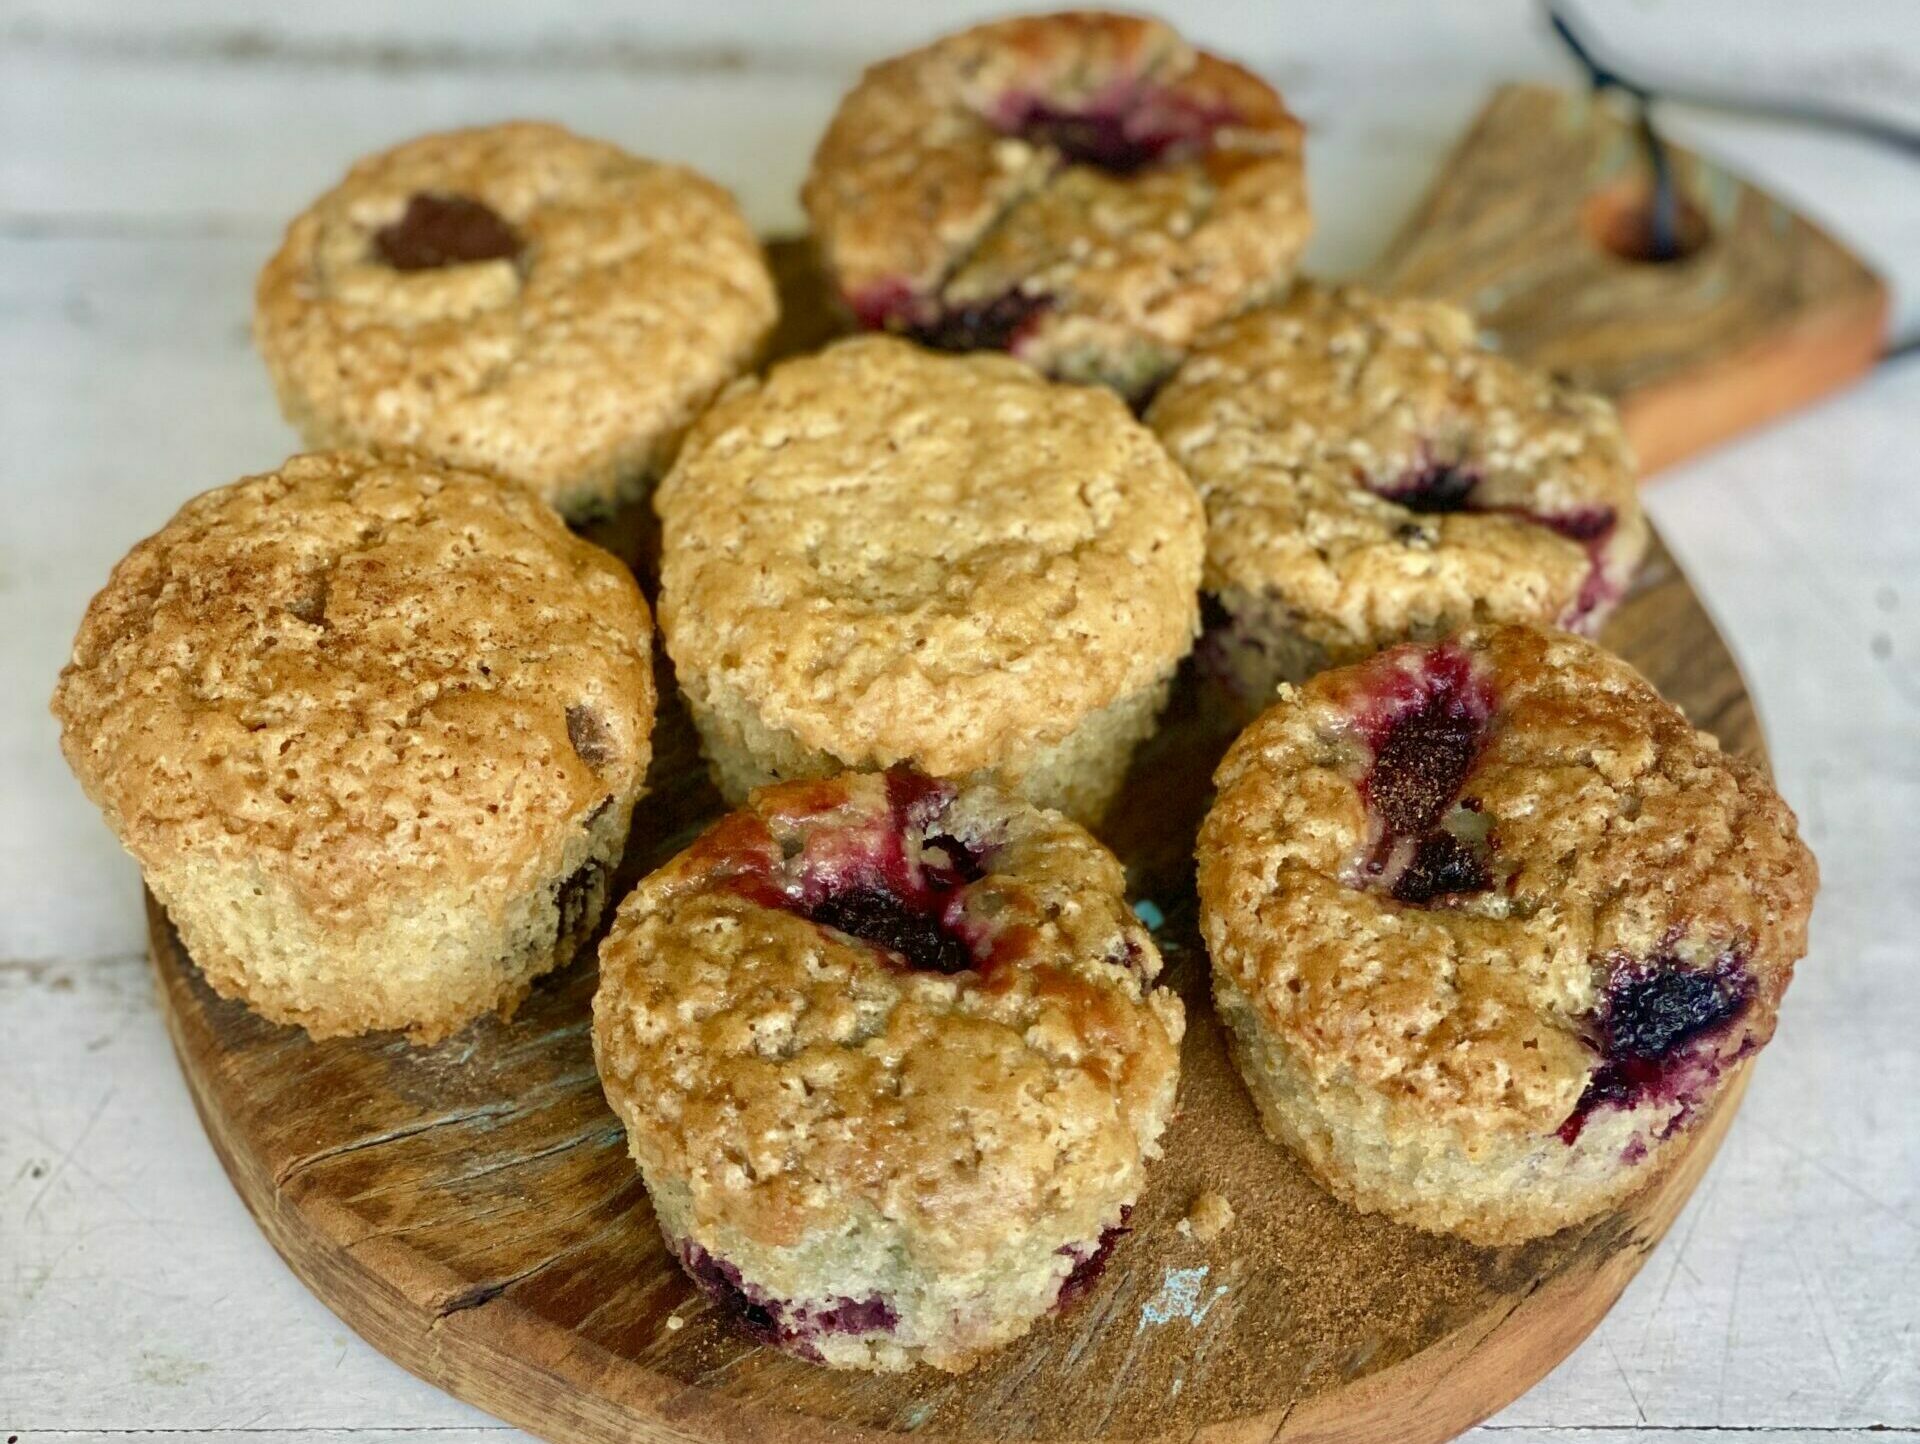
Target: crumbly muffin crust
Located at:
point(361, 720)
point(1371, 474)
point(517, 299)
point(891, 1060)
point(1083, 189)
point(879, 554)
point(1491, 925)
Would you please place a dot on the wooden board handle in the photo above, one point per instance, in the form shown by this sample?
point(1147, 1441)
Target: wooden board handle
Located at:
point(1532, 225)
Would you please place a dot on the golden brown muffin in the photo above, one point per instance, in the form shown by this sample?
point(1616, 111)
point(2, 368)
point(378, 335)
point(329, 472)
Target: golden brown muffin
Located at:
point(892, 1063)
point(1492, 926)
point(1083, 190)
point(517, 299)
point(880, 555)
point(373, 730)
point(1372, 475)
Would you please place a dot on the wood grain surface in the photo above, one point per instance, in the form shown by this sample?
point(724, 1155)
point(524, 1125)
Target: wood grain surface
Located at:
point(471, 1210)
point(154, 154)
point(1524, 227)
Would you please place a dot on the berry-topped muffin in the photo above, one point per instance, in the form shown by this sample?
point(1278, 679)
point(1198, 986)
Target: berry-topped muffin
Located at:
point(1084, 191)
point(1371, 475)
point(879, 554)
point(516, 299)
point(1492, 927)
point(892, 1062)
point(374, 730)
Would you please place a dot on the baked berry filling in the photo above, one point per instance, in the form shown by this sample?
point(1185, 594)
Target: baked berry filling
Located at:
point(890, 922)
point(777, 1321)
point(1433, 488)
point(1122, 132)
point(1439, 488)
point(1442, 866)
point(1425, 728)
point(445, 230)
point(999, 324)
point(1127, 129)
point(1653, 1029)
point(1090, 1263)
point(898, 881)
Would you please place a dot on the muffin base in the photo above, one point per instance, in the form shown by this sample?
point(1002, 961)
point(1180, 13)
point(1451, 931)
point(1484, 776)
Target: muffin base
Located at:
point(1494, 1189)
point(851, 1299)
point(1078, 775)
point(429, 967)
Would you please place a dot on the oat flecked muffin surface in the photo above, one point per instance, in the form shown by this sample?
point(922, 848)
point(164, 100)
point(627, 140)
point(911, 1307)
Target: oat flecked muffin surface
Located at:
point(879, 554)
point(1372, 475)
point(1084, 190)
point(892, 1063)
point(517, 299)
point(373, 730)
point(1492, 926)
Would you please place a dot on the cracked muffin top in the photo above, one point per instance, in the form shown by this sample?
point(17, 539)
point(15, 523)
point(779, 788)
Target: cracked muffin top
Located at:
point(518, 299)
point(1499, 881)
point(1084, 190)
point(896, 554)
point(356, 667)
point(884, 993)
point(1370, 468)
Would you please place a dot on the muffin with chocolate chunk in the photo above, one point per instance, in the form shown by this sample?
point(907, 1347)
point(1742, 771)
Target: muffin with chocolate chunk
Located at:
point(517, 299)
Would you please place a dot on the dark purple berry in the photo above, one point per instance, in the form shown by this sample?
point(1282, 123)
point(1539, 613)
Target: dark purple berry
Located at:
point(879, 917)
point(776, 1321)
point(1650, 1011)
point(1648, 1017)
point(1435, 487)
point(1421, 764)
point(847, 1316)
point(1090, 1264)
point(993, 325)
point(722, 1283)
point(1442, 865)
point(1589, 524)
point(1101, 140)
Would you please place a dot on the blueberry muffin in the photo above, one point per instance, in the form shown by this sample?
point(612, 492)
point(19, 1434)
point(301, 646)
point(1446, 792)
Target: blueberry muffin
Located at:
point(1492, 927)
point(879, 554)
point(892, 1062)
point(373, 730)
point(1084, 191)
point(515, 299)
point(1371, 475)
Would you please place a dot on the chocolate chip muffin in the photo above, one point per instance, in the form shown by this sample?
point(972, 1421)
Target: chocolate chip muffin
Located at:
point(879, 555)
point(1492, 927)
point(1084, 191)
point(373, 730)
point(892, 1062)
point(515, 299)
point(1372, 475)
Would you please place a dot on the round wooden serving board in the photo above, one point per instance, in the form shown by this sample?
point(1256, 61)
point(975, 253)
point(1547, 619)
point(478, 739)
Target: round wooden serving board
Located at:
point(470, 1209)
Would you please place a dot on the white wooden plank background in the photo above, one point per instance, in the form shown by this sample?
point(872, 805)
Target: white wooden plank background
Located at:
point(149, 155)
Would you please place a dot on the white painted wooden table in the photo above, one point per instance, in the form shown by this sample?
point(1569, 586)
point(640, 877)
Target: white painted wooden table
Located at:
point(149, 154)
